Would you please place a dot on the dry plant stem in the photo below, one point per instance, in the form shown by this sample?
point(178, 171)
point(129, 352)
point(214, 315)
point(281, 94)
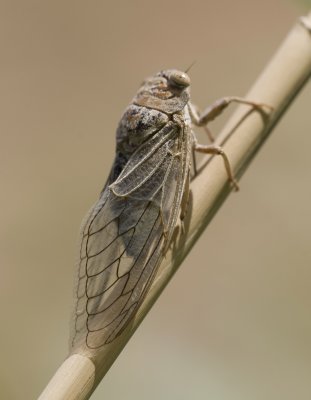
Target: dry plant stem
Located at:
point(278, 85)
point(74, 380)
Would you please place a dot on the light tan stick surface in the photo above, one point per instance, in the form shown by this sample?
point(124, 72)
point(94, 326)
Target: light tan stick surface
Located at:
point(73, 380)
point(278, 85)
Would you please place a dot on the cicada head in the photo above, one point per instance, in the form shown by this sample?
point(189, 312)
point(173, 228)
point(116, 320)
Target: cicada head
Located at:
point(167, 91)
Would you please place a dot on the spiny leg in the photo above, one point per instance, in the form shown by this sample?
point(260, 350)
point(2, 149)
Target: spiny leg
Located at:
point(209, 114)
point(195, 115)
point(214, 110)
point(217, 150)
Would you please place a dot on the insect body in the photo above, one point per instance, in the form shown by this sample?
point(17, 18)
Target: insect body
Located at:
point(127, 232)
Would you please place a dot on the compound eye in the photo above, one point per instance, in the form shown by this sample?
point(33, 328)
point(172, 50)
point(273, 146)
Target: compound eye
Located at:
point(179, 79)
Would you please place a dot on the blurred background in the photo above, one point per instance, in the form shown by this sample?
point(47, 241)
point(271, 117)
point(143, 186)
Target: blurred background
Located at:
point(234, 323)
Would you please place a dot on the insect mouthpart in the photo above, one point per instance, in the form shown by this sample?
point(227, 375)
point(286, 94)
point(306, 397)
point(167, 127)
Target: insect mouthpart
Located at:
point(178, 79)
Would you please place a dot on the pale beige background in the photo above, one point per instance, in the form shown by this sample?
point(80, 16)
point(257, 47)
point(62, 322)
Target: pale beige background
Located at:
point(235, 322)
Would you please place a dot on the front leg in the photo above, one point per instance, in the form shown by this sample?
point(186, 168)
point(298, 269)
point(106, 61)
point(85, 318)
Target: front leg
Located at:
point(213, 111)
point(209, 114)
point(196, 116)
point(216, 150)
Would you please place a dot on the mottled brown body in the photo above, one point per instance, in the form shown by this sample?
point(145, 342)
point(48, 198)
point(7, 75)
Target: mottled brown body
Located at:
point(127, 232)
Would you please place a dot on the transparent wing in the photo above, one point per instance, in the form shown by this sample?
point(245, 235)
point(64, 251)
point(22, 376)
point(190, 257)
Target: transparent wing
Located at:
point(123, 238)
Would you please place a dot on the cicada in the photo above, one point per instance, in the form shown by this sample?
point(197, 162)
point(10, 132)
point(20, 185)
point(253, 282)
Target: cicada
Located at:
point(129, 229)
